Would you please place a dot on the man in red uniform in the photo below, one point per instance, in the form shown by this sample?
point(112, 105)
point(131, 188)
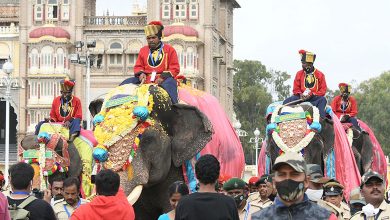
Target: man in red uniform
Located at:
point(66, 109)
point(345, 107)
point(157, 62)
point(309, 84)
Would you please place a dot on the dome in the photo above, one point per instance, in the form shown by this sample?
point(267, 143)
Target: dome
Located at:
point(56, 32)
point(180, 29)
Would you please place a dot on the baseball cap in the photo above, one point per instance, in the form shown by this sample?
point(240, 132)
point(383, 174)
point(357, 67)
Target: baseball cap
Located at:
point(293, 159)
point(369, 175)
point(315, 173)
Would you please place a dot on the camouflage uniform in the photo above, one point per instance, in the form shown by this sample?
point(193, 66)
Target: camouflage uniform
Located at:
point(303, 210)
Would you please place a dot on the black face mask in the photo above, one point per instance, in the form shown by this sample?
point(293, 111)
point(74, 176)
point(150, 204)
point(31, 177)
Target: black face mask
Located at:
point(289, 190)
point(344, 96)
point(309, 69)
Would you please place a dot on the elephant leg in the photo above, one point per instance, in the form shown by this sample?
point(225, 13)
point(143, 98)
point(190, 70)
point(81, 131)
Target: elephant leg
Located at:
point(367, 152)
point(358, 159)
point(154, 200)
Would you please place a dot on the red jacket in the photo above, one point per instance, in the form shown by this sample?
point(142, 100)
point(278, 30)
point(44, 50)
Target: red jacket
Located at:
point(351, 109)
point(74, 110)
point(167, 62)
point(318, 88)
point(106, 208)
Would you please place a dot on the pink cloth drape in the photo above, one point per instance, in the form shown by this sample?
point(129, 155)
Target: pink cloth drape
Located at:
point(379, 163)
point(225, 144)
point(346, 170)
point(262, 160)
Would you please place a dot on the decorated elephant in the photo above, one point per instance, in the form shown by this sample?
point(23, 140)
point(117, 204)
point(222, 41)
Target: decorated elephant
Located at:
point(61, 157)
point(367, 150)
point(322, 141)
point(149, 142)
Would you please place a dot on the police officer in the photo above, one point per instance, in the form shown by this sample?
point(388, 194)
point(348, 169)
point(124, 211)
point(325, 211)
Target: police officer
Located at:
point(235, 188)
point(262, 201)
point(333, 199)
point(317, 180)
point(356, 201)
point(64, 208)
point(373, 189)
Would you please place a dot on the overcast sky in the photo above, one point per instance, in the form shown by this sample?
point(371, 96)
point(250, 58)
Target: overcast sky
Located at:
point(350, 37)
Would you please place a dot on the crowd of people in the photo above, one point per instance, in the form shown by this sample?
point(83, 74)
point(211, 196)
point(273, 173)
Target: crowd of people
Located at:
point(294, 190)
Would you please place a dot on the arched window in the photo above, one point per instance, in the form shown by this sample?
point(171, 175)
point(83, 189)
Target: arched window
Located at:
point(38, 12)
point(116, 45)
point(190, 58)
point(166, 9)
point(47, 57)
point(34, 58)
point(60, 58)
point(180, 9)
point(180, 54)
point(194, 9)
point(65, 10)
point(52, 9)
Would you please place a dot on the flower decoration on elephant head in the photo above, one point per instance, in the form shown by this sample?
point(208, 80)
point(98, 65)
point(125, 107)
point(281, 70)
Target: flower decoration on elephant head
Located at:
point(125, 110)
point(293, 128)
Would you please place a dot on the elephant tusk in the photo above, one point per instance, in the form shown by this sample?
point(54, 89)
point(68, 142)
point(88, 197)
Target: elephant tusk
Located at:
point(134, 195)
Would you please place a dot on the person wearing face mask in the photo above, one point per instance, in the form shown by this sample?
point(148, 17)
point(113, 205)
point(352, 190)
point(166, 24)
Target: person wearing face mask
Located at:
point(235, 188)
point(291, 202)
point(262, 201)
point(356, 201)
point(333, 200)
point(373, 190)
point(157, 62)
point(309, 84)
point(345, 106)
point(315, 191)
point(66, 109)
point(176, 190)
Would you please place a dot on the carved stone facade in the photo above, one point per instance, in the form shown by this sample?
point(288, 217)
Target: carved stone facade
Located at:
point(48, 30)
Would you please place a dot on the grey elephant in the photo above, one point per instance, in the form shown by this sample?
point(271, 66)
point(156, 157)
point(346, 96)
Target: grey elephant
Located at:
point(318, 147)
point(173, 134)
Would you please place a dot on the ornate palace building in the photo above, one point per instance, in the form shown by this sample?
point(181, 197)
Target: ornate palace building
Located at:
point(200, 30)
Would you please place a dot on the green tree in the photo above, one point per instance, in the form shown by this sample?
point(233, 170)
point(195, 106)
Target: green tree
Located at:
point(373, 97)
point(251, 99)
point(282, 89)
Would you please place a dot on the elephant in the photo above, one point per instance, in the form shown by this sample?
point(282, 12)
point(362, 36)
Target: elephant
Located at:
point(29, 142)
point(79, 150)
point(178, 133)
point(322, 142)
point(362, 148)
point(318, 148)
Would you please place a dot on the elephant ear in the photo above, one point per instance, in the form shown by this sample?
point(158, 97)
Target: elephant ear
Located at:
point(29, 142)
point(95, 106)
point(191, 130)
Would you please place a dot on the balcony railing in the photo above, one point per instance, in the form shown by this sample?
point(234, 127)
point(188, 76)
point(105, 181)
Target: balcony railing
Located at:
point(12, 29)
point(115, 21)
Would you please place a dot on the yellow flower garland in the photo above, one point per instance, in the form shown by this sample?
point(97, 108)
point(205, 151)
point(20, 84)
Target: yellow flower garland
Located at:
point(119, 121)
